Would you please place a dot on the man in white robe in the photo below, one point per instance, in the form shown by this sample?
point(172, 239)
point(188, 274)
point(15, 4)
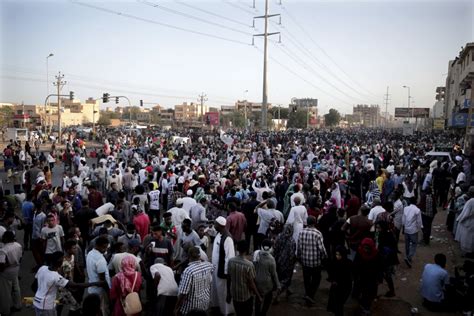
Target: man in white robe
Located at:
point(465, 225)
point(219, 281)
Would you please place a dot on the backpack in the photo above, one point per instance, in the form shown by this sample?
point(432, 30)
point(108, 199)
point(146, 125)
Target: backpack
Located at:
point(274, 228)
point(131, 304)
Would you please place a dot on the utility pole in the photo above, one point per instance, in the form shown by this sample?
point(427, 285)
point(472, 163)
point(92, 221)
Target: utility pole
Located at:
point(59, 84)
point(386, 100)
point(202, 98)
point(469, 137)
point(265, 52)
point(245, 106)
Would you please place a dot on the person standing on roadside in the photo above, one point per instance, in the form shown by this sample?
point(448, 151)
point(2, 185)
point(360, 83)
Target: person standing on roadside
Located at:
point(412, 224)
point(310, 252)
point(241, 286)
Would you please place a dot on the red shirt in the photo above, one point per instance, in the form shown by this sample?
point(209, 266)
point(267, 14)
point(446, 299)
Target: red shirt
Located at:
point(236, 224)
point(353, 206)
point(95, 199)
point(142, 224)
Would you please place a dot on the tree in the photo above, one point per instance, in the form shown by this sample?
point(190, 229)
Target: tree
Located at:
point(134, 112)
point(6, 116)
point(256, 119)
point(283, 113)
point(155, 117)
point(104, 119)
point(332, 118)
point(236, 117)
point(297, 119)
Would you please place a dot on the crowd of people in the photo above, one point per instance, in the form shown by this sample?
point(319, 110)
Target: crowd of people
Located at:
point(160, 225)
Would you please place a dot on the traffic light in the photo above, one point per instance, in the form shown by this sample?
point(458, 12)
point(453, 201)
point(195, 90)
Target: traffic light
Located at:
point(141, 103)
point(71, 95)
point(116, 100)
point(105, 98)
point(295, 108)
point(208, 120)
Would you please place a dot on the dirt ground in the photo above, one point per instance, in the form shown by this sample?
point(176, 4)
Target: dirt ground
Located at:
point(407, 280)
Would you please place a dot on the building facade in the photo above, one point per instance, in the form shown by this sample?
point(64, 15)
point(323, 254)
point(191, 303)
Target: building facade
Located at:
point(250, 106)
point(458, 88)
point(369, 114)
point(189, 111)
point(74, 112)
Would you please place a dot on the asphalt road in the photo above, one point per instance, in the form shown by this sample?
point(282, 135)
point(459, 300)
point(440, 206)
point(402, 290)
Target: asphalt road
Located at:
point(406, 279)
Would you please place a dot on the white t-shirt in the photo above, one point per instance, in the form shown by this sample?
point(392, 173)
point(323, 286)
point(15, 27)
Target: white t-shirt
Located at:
point(375, 212)
point(188, 203)
point(48, 284)
point(53, 238)
point(115, 263)
point(105, 209)
point(167, 285)
point(294, 195)
point(178, 215)
point(154, 199)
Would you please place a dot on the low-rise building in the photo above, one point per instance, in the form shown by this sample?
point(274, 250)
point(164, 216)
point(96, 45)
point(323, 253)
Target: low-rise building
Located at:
point(250, 106)
point(369, 114)
point(189, 112)
point(74, 112)
point(458, 87)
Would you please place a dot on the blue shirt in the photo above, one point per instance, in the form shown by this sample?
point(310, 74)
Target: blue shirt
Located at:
point(433, 281)
point(27, 211)
point(38, 223)
point(96, 264)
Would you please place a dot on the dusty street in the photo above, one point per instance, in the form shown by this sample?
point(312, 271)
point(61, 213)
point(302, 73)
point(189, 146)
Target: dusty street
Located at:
point(406, 279)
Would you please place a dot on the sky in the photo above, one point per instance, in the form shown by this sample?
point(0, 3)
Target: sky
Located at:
point(342, 53)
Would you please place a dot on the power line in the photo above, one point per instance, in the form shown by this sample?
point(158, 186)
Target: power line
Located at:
point(130, 16)
point(238, 7)
point(108, 88)
point(189, 16)
point(107, 82)
point(303, 79)
point(299, 46)
point(323, 51)
point(308, 68)
point(211, 13)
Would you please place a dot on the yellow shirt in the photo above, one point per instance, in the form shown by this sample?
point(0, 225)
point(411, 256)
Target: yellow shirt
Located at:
point(380, 180)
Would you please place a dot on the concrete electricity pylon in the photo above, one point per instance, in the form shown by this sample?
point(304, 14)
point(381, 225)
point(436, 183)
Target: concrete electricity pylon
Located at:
point(59, 84)
point(202, 98)
point(265, 52)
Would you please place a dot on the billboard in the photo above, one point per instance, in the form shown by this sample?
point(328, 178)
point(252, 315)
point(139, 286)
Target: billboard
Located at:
point(402, 112)
point(421, 112)
point(459, 120)
point(212, 118)
point(466, 104)
point(412, 112)
point(438, 124)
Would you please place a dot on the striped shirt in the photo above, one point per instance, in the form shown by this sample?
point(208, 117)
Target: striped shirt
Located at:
point(196, 285)
point(310, 250)
point(241, 271)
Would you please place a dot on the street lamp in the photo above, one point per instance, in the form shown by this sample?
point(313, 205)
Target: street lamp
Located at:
point(409, 97)
point(245, 108)
point(47, 80)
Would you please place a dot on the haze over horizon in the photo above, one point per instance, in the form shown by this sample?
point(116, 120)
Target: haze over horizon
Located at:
point(341, 52)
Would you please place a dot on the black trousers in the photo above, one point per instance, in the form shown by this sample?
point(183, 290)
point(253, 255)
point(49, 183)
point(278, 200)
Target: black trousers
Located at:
point(28, 229)
point(244, 308)
point(312, 278)
point(427, 223)
point(165, 305)
point(261, 308)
